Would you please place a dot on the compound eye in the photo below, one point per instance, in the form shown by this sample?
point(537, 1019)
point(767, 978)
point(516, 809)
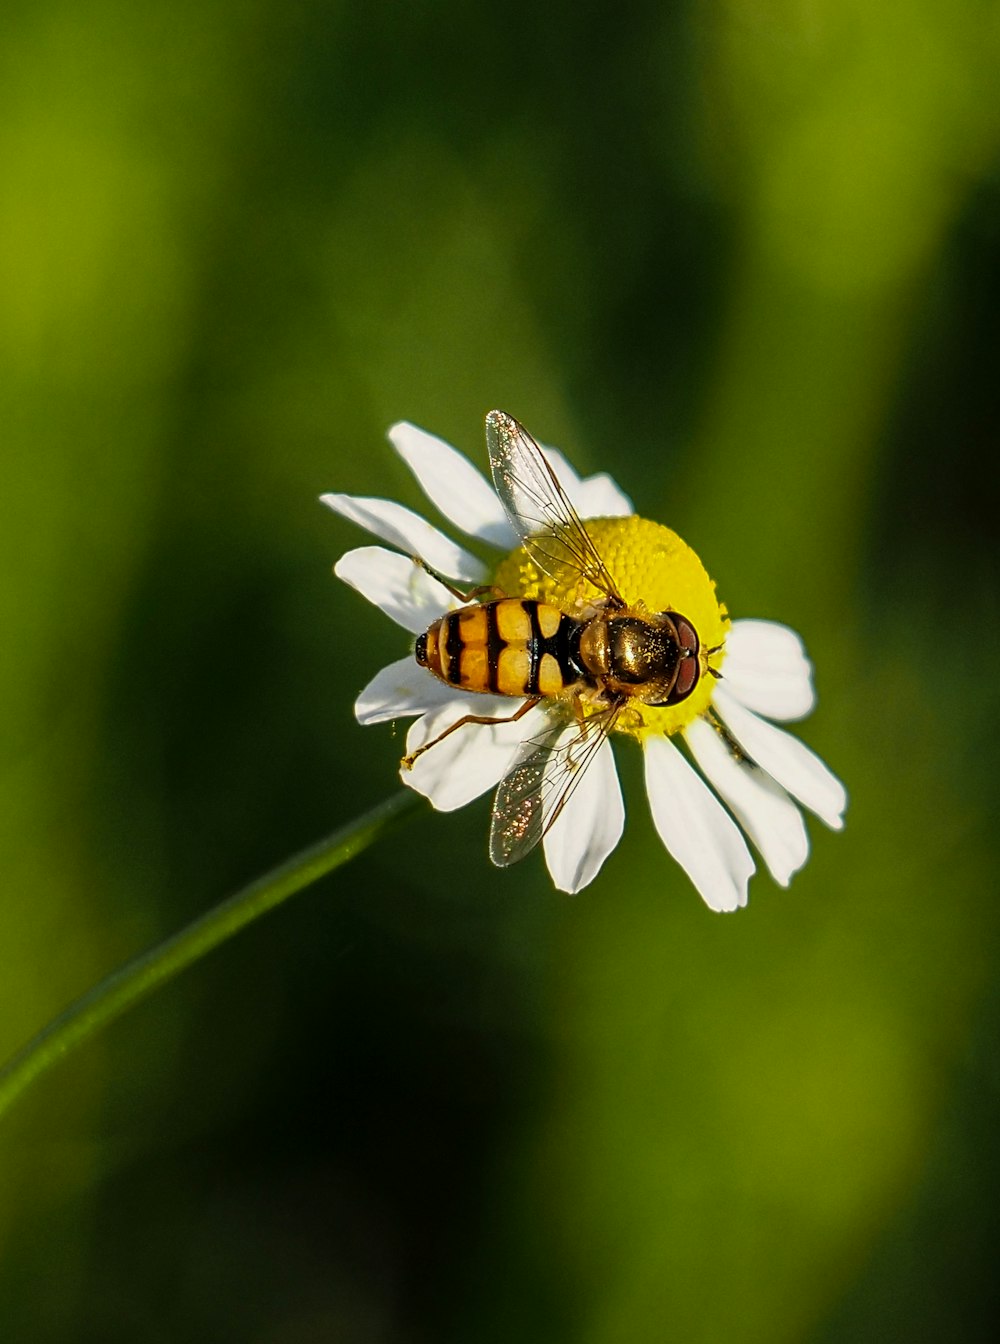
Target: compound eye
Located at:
point(686, 633)
point(689, 664)
point(687, 679)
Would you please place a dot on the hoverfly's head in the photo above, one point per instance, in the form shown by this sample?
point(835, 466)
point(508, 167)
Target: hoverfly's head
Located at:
point(684, 669)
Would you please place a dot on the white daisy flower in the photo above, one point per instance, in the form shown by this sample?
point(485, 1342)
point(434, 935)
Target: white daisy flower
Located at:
point(597, 600)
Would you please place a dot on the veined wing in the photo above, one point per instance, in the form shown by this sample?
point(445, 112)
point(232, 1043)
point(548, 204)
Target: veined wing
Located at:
point(541, 782)
point(550, 529)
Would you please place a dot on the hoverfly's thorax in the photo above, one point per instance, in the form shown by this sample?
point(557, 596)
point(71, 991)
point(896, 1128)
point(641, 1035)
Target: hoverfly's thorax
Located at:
point(641, 652)
point(594, 648)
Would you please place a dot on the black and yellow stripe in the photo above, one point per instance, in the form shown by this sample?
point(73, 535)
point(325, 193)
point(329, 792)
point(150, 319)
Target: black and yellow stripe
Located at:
point(512, 646)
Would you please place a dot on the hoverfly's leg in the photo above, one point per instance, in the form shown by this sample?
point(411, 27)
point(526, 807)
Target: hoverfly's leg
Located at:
point(407, 761)
point(596, 697)
point(464, 598)
point(735, 750)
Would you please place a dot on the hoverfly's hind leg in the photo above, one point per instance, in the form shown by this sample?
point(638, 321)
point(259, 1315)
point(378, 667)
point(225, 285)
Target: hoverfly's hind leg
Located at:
point(407, 761)
point(740, 756)
point(464, 597)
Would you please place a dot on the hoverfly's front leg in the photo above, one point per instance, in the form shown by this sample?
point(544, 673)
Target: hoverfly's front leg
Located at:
point(407, 761)
point(464, 598)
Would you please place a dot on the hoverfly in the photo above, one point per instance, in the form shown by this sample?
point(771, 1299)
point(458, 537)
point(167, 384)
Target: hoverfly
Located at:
point(592, 662)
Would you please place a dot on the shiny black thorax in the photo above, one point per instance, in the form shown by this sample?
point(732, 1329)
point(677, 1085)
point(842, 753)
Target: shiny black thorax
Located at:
point(640, 652)
point(650, 657)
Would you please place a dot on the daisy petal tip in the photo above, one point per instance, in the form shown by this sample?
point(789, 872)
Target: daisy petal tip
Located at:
point(423, 784)
point(573, 885)
point(832, 814)
point(794, 861)
point(726, 902)
point(730, 890)
point(341, 570)
point(782, 874)
point(567, 888)
point(352, 566)
point(406, 436)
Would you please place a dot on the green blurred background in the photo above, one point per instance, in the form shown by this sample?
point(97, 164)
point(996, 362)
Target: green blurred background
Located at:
point(746, 256)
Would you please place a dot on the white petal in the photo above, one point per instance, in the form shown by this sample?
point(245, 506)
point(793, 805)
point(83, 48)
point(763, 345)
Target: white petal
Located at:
point(450, 481)
point(766, 668)
point(600, 497)
point(400, 691)
point(406, 593)
point(589, 826)
point(696, 828)
point(565, 474)
point(764, 810)
point(596, 497)
point(784, 757)
point(474, 757)
point(410, 533)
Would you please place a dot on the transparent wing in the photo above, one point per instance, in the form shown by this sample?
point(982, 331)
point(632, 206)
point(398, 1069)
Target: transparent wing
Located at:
point(541, 782)
point(550, 529)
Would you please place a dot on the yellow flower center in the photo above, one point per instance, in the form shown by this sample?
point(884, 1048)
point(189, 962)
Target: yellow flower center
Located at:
point(654, 568)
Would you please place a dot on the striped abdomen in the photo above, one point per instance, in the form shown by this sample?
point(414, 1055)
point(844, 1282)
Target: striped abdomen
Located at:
point(513, 646)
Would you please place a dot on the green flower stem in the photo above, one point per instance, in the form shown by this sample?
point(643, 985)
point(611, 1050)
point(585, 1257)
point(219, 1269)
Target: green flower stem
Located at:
point(132, 982)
